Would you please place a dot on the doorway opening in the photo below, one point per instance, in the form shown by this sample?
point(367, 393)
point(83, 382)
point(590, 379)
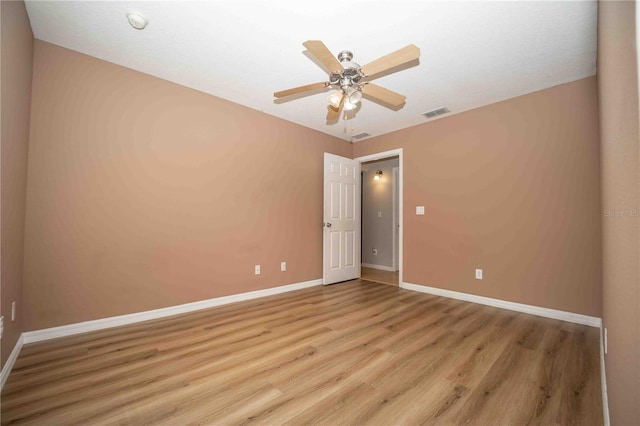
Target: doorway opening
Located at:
point(381, 217)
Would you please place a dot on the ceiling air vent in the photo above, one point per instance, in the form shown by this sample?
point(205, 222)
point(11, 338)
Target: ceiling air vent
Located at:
point(436, 112)
point(360, 135)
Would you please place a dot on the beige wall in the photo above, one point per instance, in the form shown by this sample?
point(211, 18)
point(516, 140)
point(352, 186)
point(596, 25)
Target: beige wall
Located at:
point(512, 188)
point(144, 194)
point(377, 196)
point(619, 118)
point(17, 59)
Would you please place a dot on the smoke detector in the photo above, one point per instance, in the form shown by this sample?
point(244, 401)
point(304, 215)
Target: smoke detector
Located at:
point(136, 20)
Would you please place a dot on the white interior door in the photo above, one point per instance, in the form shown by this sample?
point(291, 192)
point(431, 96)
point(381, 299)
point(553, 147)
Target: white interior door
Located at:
point(341, 242)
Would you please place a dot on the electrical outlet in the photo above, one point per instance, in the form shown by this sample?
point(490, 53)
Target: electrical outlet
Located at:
point(283, 266)
point(379, 215)
point(606, 338)
point(257, 272)
point(1, 327)
point(375, 252)
point(478, 274)
point(13, 311)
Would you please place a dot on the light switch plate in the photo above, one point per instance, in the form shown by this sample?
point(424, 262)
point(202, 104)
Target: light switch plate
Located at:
point(379, 215)
point(419, 210)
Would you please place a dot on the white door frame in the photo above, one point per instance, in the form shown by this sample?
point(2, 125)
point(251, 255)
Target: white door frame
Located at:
point(380, 156)
point(395, 228)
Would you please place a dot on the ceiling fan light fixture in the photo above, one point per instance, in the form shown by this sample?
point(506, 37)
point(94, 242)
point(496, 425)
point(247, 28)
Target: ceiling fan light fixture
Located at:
point(334, 98)
point(354, 96)
point(348, 106)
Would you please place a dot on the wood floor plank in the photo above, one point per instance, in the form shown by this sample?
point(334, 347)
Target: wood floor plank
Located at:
point(351, 353)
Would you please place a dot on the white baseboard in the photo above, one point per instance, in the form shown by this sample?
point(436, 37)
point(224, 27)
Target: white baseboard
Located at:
point(99, 324)
point(8, 366)
point(603, 383)
point(513, 306)
point(380, 267)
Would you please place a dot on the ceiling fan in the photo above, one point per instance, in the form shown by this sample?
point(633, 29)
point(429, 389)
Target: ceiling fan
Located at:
point(350, 80)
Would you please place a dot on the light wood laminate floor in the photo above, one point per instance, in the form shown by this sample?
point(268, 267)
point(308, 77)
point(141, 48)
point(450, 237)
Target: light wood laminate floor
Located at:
point(351, 353)
point(379, 276)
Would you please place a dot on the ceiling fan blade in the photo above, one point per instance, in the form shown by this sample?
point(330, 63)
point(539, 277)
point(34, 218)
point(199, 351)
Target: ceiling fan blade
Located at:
point(399, 57)
point(324, 55)
point(383, 95)
point(333, 114)
point(300, 89)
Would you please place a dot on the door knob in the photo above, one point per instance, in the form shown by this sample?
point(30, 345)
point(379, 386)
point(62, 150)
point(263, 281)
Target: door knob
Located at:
point(328, 225)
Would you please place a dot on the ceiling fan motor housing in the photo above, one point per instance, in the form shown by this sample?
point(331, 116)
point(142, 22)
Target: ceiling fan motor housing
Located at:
point(350, 74)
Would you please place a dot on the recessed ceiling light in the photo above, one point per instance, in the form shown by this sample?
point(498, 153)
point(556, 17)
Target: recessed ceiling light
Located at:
point(136, 20)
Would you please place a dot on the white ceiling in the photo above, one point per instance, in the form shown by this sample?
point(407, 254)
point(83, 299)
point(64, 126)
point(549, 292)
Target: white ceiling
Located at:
point(473, 53)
